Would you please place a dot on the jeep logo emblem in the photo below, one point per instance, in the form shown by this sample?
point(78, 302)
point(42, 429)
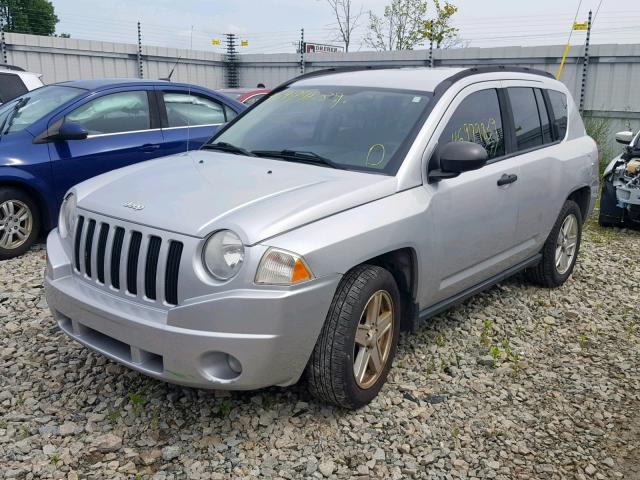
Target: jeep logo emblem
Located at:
point(133, 206)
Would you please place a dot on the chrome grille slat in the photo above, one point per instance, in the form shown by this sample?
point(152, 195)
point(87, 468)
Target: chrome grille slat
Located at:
point(107, 256)
point(128, 261)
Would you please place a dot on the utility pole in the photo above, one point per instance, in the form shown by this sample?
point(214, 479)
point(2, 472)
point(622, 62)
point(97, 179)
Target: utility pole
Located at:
point(303, 48)
point(232, 61)
point(585, 65)
point(140, 69)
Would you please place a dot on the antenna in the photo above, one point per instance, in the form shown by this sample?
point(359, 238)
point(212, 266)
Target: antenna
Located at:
point(168, 78)
point(190, 99)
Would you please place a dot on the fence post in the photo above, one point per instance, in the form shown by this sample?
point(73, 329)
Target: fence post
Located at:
point(3, 43)
point(303, 48)
point(585, 65)
point(231, 64)
point(431, 53)
point(140, 69)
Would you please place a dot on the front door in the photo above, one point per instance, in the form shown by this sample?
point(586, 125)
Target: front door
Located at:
point(475, 214)
point(121, 133)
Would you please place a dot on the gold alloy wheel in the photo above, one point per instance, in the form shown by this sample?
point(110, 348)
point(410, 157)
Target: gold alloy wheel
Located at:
point(374, 338)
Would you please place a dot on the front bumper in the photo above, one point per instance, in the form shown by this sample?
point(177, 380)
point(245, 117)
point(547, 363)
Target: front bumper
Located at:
point(276, 329)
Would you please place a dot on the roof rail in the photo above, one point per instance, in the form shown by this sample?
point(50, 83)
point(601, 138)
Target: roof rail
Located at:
point(465, 73)
point(12, 67)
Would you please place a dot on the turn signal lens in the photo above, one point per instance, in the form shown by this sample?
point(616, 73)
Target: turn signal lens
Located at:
point(279, 267)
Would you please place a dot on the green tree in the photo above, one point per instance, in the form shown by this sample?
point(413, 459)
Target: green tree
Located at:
point(401, 26)
point(36, 17)
point(439, 30)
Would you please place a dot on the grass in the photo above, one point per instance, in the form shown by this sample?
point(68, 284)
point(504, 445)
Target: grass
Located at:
point(225, 408)
point(54, 459)
point(138, 401)
point(599, 129)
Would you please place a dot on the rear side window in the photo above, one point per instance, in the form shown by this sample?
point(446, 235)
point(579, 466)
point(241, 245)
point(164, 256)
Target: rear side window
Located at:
point(185, 110)
point(114, 113)
point(477, 119)
point(11, 86)
point(525, 117)
point(544, 117)
point(559, 106)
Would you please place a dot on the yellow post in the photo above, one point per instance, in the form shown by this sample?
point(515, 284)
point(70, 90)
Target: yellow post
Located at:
point(564, 58)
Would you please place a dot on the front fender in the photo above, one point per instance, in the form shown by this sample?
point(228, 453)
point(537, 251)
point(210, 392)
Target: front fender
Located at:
point(335, 244)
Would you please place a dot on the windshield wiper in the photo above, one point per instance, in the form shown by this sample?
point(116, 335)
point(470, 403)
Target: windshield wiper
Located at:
point(8, 120)
point(298, 155)
point(227, 147)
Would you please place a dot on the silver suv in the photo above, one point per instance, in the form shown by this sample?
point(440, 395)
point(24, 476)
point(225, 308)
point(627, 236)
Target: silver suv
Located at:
point(338, 210)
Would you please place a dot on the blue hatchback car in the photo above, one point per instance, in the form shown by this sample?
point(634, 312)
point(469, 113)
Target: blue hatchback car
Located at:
point(59, 135)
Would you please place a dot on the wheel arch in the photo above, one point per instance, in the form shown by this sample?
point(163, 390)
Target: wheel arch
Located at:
point(582, 196)
point(402, 263)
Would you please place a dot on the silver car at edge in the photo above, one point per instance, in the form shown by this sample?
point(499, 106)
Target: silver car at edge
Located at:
point(341, 208)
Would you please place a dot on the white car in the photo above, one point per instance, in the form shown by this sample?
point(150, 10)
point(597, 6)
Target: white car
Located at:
point(15, 81)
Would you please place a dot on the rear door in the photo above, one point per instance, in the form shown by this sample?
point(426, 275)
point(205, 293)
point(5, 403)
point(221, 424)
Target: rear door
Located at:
point(540, 166)
point(123, 129)
point(189, 118)
point(474, 214)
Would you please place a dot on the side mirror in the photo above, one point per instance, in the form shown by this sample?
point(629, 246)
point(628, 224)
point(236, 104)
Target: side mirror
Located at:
point(71, 131)
point(453, 158)
point(624, 137)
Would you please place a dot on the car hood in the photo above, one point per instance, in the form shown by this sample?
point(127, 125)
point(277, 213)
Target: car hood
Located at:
point(200, 192)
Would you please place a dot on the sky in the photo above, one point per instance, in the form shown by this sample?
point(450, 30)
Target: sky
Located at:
point(273, 26)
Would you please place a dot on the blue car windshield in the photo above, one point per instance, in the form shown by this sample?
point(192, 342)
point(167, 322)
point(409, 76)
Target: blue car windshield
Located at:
point(348, 127)
point(34, 105)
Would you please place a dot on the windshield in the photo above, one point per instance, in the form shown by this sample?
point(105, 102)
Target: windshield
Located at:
point(355, 128)
point(35, 105)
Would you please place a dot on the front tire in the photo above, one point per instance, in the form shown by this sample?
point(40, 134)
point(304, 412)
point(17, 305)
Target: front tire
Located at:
point(355, 349)
point(19, 222)
point(561, 249)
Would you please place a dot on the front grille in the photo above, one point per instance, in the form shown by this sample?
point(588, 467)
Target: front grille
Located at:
point(101, 248)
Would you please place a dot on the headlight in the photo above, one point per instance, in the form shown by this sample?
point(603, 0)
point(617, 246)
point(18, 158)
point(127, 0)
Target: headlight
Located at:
point(67, 218)
point(279, 267)
point(223, 254)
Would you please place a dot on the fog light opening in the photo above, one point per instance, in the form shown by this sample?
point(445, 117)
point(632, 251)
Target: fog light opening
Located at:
point(220, 367)
point(234, 364)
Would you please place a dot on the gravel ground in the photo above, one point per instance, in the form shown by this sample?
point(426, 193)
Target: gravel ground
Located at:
point(519, 382)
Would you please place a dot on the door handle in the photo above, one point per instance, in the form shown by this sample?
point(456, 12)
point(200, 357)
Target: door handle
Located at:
point(149, 147)
point(507, 179)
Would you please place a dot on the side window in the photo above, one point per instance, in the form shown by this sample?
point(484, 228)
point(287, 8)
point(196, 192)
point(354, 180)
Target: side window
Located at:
point(185, 110)
point(230, 114)
point(477, 119)
point(114, 113)
point(525, 117)
point(253, 99)
point(559, 106)
point(544, 117)
point(11, 86)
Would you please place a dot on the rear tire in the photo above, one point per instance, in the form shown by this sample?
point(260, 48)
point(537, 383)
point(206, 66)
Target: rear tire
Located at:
point(359, 338)
point(19, 222)
point(560, 251)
